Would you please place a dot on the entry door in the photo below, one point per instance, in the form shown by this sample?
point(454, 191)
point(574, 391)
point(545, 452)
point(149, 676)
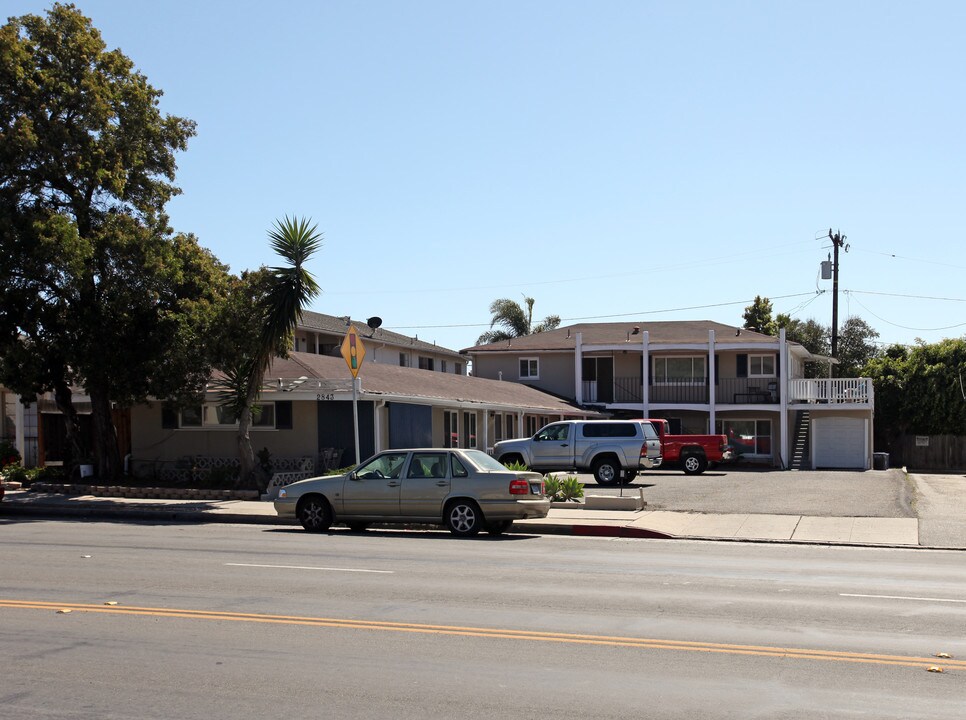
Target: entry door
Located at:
point(425, 485)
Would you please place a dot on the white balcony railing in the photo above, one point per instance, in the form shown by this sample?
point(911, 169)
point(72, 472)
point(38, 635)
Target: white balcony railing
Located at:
point(830, 390)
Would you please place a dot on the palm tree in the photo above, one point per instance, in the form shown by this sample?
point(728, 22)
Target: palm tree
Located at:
point(289, 290)
point(514, 321)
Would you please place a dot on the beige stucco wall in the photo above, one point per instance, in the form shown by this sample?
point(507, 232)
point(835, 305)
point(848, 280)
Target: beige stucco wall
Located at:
point(150, 443)
point(556, 371)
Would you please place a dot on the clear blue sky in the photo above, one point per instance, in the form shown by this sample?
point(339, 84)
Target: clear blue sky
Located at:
point(613, 160)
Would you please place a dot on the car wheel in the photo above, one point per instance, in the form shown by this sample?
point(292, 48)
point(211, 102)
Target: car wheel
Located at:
point(498, 528)
point(606, 472)
point(694, 464)
point(358, 526)
point(463, 518)
point(314, 513)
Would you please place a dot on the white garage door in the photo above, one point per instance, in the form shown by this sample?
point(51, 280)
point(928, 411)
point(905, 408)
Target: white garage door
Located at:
point(840, 442)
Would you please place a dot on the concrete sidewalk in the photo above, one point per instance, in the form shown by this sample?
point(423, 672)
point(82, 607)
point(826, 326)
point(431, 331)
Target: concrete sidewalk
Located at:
point(890, 532)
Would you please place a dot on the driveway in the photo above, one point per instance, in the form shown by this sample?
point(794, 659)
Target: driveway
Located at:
point(873, 493)
point(940, 502)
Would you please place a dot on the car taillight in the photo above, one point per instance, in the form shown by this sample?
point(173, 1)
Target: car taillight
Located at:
point(644, 450)
point(519, 487)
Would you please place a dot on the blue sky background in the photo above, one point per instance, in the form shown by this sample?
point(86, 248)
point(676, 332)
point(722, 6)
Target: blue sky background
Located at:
point(614, 160)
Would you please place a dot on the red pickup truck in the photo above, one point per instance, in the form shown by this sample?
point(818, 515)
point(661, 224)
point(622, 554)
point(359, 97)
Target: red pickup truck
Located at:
point(693, 452)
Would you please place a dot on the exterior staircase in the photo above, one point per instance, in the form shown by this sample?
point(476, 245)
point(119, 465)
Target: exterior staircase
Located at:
point(800, 449)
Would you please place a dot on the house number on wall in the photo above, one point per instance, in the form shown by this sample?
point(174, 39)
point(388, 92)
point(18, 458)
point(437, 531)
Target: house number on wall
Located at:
point(325, 396)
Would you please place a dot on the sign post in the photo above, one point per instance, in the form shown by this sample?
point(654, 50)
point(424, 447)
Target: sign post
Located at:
point(354, 352)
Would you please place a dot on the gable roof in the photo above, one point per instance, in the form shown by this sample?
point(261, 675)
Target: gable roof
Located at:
point(403, 383)
point(319, 322)
point(678, 332)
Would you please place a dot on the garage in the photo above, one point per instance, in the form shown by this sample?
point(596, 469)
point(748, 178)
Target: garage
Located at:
point(840, 442)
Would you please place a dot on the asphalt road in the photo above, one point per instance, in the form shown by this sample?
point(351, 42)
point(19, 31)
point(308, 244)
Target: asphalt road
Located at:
point(242, 621)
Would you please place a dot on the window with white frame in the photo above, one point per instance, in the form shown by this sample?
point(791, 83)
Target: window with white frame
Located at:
point(210, 416)
point(426, 363)
point(509, 427)
point(761, 366)
point(451, 429)
point(469, 430)
point(403, 360)
point(532, 425)
point(442, 366)
point(680, 370)
point(458, 369)
point(530, 368)
point(747, 437)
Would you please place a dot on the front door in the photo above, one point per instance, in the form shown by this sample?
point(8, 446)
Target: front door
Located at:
point(553, 447)
point(373, 488)
point(425, 485)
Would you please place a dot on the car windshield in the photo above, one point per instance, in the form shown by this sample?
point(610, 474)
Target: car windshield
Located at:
point(484, 462)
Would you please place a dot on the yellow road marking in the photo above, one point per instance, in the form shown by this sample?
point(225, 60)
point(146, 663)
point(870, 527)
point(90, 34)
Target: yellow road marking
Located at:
point(497, 633)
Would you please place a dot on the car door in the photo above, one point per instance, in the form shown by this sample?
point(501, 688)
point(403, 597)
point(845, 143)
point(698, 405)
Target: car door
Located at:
point(553, 447)
point(425, 485)
point(373, 488)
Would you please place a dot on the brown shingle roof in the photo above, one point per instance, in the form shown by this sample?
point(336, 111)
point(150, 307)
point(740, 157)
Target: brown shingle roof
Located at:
point(336, 326)
point(676, 332)
point(384, 379)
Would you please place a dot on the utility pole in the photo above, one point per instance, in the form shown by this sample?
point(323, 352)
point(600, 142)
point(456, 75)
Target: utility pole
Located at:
point(838, 240)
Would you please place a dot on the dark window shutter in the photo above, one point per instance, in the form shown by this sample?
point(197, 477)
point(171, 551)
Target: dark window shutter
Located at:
point(717, 371)
point(742, 369)
point(647, 371)
point(169, 418)
point(778, 366)
point(283, 414)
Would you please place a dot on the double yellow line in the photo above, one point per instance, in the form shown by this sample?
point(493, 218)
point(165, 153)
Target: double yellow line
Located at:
point(503, 634)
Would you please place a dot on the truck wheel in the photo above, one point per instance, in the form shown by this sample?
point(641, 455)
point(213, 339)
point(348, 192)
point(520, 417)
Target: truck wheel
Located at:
point(628, 477)
point(606, 471)
point(694, 464)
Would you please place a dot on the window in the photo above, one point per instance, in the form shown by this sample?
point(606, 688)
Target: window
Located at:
point(627, 429)
point(427, 465)
point(498, 427)
point(442, 366)
point(509, 427)
point(218, 416)
point(451, 430)
point(426, 363)
point(529, 368)
point(687, 370)
point(403, 360)
point(747, 437)
point(531, 424)
point(459, 469)
point(458, 368)
point(382, 467)
point(554, 432)
point(469, 427)
point(761, 366)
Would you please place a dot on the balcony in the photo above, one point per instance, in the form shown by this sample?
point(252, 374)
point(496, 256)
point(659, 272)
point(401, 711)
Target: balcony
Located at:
point(731, 391)
point(830, 391)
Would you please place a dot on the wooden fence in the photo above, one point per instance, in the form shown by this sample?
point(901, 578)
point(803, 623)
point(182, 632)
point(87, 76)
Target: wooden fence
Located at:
point(930, 452)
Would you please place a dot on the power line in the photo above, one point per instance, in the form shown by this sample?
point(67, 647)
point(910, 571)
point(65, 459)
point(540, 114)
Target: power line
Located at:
point(913, 297)
point(615, 315)
point(906, 327)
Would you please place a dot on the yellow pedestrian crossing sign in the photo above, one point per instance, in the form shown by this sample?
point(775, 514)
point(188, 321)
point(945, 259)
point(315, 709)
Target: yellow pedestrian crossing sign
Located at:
point(353, 351)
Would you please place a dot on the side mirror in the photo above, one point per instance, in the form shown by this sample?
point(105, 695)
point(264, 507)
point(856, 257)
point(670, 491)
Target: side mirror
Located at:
point(353, 476)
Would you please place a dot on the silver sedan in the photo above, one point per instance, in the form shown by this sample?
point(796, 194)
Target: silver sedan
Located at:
point(465, 490)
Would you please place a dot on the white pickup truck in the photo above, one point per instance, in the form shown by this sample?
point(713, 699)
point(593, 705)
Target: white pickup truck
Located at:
point(613, 450)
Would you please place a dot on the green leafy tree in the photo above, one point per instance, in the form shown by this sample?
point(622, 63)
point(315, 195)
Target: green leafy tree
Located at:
point(811, 335)
point(264, 310)
point(757, 316)
point(856, 347)
point(514, 321)
point(97, 291)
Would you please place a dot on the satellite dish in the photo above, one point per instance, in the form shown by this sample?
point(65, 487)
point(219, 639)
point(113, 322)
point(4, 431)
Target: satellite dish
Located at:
point(374, 322)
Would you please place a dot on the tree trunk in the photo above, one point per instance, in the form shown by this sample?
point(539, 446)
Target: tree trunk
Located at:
point(246, 456)
point(65, 403)
point(106, 452)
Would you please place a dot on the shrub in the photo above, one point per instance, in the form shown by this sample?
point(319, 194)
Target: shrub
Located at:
point(8, 454)
point(517, 466)
point(551, 484)
point(571, 488)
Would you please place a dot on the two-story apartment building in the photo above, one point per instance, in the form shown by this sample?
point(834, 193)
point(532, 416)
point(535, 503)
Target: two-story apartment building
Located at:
point(703, 377)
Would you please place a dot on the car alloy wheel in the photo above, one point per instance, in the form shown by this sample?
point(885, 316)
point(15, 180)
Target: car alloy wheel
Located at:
point(464, 519)
point(314, 514)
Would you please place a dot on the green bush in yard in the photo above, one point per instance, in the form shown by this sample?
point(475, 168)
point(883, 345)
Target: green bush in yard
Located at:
point(516, 466)
point(551, 486)
point(571, 489)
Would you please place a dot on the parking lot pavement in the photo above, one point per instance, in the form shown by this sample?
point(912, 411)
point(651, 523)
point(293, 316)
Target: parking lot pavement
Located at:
point(818, 493)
